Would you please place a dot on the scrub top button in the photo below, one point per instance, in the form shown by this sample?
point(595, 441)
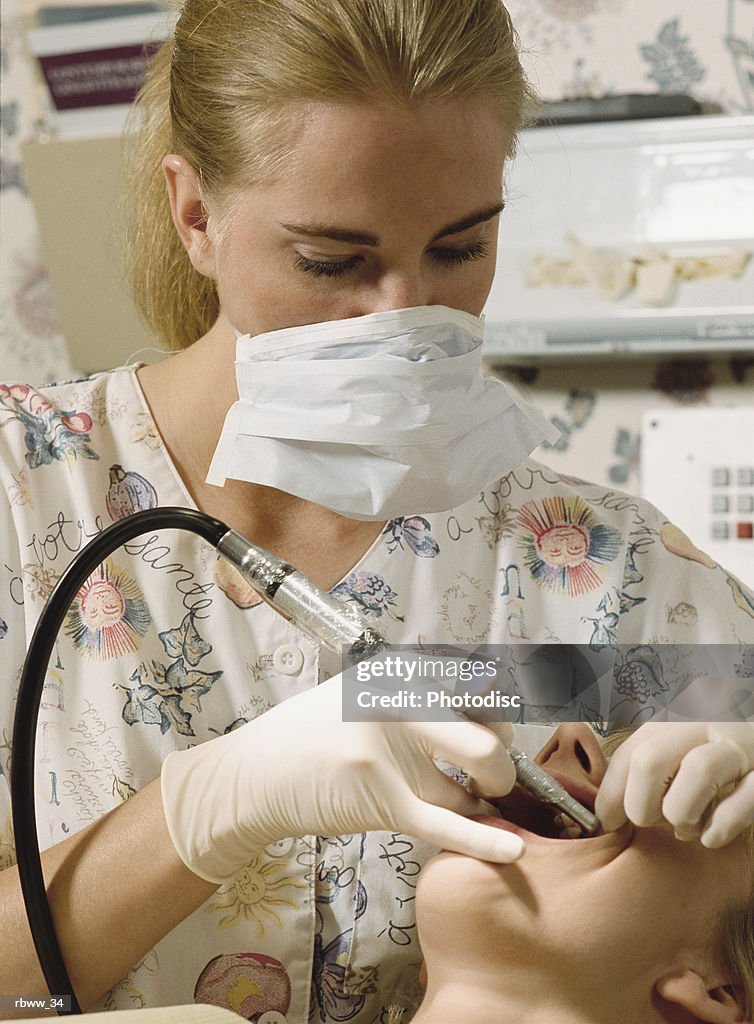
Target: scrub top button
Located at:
point(272, 1017)
point(289, 660)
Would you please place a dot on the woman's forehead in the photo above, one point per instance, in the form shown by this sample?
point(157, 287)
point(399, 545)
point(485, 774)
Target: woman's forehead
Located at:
point(412, 135)
point(349, 163)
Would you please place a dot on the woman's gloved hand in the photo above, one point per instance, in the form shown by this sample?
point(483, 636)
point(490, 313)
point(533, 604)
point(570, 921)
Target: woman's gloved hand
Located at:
point(672, 772)
point(299, 769)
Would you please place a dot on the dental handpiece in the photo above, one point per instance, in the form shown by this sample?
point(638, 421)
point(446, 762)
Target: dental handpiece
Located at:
point(322, 617)
point(536, 781)
point(327, 620)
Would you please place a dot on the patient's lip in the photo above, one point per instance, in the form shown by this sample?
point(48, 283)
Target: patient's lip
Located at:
point(509, 826)
point(580, 789)
point(619, 839)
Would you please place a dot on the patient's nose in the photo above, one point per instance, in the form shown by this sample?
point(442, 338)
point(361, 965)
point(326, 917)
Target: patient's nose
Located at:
point(574, 750)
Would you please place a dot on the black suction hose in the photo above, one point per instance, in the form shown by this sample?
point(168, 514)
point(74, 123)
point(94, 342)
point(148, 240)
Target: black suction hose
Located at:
point(27, 714)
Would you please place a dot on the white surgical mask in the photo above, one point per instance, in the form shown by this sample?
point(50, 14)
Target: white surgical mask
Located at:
point(376, 416)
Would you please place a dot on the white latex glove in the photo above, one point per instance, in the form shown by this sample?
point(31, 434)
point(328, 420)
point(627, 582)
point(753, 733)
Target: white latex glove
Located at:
point(671, 772)
point(300, 770)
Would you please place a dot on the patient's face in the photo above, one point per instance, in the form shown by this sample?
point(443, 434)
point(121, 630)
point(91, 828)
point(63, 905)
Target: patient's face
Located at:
point(630, 899)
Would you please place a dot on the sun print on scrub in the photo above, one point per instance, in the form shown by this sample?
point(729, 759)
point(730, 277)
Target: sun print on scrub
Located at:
point(254, 892)
point(564, 545)
point(108, 615)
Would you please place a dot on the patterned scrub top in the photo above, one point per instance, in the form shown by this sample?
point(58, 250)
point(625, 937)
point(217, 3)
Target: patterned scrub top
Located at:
point(165, 647)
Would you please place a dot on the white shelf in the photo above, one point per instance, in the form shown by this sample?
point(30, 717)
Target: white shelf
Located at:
point(683, 185)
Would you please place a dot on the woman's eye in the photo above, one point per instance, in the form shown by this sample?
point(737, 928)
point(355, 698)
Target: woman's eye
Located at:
point(321, 268)
point(447, 257)
point(454, 257)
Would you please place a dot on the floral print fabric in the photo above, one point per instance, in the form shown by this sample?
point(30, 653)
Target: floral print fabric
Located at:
point(165, 647)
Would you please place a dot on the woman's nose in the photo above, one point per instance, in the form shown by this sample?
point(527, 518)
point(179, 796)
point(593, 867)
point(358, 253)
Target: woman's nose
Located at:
point(574, 750)
point(399, 290)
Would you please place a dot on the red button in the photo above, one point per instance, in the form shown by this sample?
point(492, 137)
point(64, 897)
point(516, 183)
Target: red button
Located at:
point(745, 531)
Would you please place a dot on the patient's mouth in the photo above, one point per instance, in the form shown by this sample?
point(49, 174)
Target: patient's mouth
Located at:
point(521, 809)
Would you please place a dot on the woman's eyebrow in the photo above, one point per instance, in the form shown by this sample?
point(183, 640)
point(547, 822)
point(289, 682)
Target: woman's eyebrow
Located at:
point(471, 221)
point(363, 238)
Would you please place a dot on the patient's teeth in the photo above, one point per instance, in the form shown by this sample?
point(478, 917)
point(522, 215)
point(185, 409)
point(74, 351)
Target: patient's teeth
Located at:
point(562, 820)
point(568, 827)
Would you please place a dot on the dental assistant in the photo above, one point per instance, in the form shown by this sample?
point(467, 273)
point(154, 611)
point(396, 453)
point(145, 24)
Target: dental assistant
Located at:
point(215, 832)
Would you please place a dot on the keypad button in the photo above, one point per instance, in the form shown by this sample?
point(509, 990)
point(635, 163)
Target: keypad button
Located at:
point(720, 476)
point(745, 503)
point(745, 531)
point(720, 503)
point(745, 476)
point(720, 531)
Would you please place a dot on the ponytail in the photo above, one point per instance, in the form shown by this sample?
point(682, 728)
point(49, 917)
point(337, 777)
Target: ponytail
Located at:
point(177, 302)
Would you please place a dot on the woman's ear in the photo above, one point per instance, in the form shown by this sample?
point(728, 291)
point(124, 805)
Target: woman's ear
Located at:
point(688, 989)
point(189, 213)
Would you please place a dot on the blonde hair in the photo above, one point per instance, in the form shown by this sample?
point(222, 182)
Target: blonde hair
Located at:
point(220, 90)
point(734, 950)
point(733, 941)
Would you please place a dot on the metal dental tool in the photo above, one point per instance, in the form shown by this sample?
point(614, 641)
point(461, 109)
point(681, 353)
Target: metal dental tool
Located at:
point(322, 617)
point(536, 781)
